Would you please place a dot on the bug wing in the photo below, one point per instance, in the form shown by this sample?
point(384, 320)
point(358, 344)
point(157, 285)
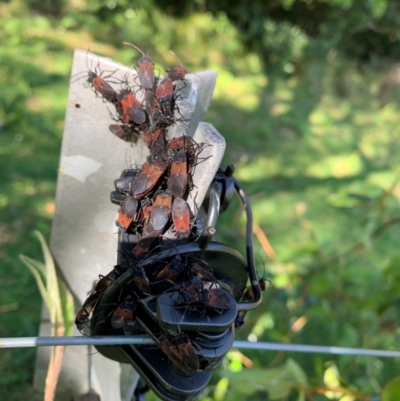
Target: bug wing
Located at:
point(146, 77)
point(147, 179)
point(189, 357)
point(178, 179)
point(218, 299)
point(159, 217)
point(137, 114)
point(107, 91)
point(181, 217)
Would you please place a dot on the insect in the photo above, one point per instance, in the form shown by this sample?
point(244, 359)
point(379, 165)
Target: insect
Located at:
point(99, 84)
point(123, 315)
point(150, 234)
point(83, 314)
point(239, 321)
point(184, 145)
point(178, 177)
point(164, 94)
point(157, 147)
point(127, 213)
point(150, 136)
point(202, 300)
point(181, 352)
point(82, 317)
point(178, 72)
point(148, 177)
point(121, 130)
point(141, 281)
point(144, 211)
point(161, 211)
point(124, 184)
point(248, 296)
point(129, 108)
point(152, 107)
point(206, 275)
point(181, 217)
point(172, 270)
point(145, 70)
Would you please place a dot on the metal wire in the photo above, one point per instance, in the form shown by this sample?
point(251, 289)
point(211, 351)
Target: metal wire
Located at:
point(20, 342)
point(249, 251)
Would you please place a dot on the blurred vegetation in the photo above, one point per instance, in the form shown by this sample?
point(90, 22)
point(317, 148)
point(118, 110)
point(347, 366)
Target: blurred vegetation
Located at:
point(307, 98)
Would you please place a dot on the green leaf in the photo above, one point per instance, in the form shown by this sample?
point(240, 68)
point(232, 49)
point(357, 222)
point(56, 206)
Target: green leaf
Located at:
point(392, 390)
point(331, 376)
point(221, 389)
point(342, 199)
point(67, 306)
point(35, 266)
point(53, 290)
point(297, 372)
point(248, 381)
point(364, 189)
point(51, 278)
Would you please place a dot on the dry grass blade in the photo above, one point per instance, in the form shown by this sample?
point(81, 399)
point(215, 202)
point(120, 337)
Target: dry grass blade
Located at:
point(262, 238)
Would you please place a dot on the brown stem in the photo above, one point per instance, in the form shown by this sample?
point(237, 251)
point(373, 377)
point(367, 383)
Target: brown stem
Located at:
point(54, 369)
point(342, 390)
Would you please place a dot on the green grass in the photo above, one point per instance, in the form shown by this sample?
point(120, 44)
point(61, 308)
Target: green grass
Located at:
point(316, 150)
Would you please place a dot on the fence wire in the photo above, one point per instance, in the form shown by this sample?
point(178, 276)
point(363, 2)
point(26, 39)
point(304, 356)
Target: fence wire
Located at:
point(21, 342)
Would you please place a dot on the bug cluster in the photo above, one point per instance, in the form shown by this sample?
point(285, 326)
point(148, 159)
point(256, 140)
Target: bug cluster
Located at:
point(169, 299)
point(175, 298)
point(152, 199)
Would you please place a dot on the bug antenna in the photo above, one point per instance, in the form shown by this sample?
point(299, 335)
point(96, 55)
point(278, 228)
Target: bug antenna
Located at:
point(135, 47)
point(180, 62)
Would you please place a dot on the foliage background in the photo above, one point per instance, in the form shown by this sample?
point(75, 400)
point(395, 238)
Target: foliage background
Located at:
point(307, 98)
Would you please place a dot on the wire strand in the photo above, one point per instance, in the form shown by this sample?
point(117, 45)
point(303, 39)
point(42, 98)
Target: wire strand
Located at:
point(21, 342)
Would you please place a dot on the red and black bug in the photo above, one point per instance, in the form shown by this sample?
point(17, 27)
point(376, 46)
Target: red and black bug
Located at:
point(145, 70)
point(161, 211)
point(99, 84)
point(178, 176)
point(150, 135)
point(129, 108)
point(127, 213)
point(157, 147)
point(123, 316)
point(150, 234)
point(172, 271)
point(152, 108)
point(178, 72)
point(164, 94)
point(181, 217)
point(141, 281)
point(146, 180)
point(181, 352)
point(248, 296)
point(202, 300)
point(122, 130)
point(203, 273)
point(83, 314)
point(184, 145)
point(144, 212)
point(206, 275)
